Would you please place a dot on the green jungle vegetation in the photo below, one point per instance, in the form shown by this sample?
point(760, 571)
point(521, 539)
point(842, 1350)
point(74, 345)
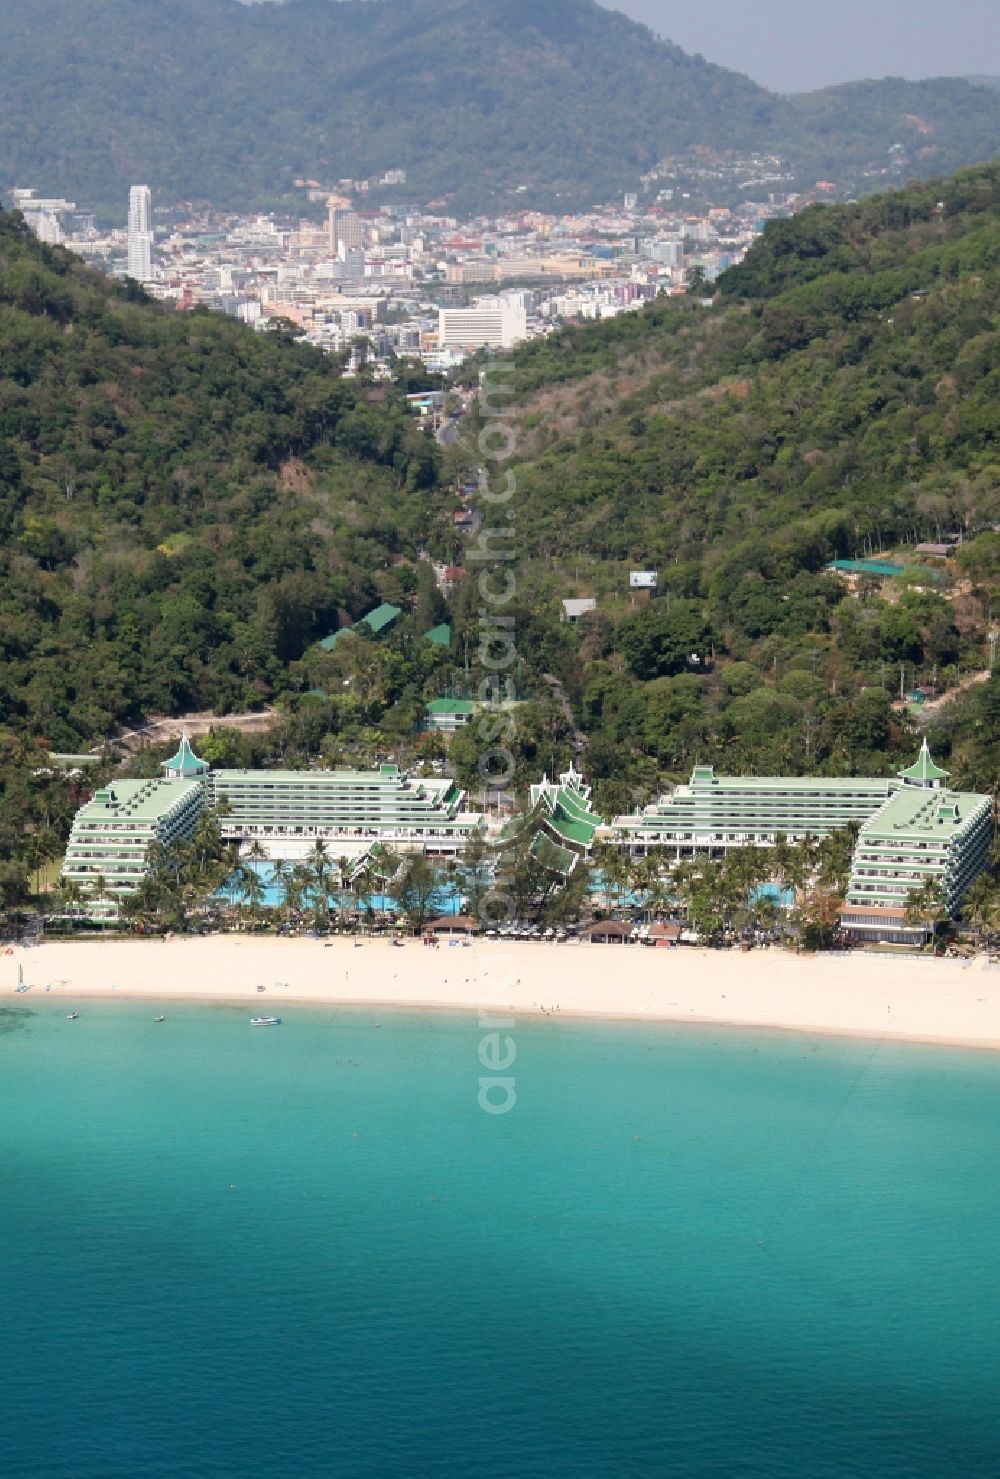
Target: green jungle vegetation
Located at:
point(185, 506)
point(188, 507)
point(838, 399)
point(483, 102)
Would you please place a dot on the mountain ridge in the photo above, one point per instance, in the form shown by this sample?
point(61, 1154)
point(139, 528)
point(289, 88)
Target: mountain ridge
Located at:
point(487, 102)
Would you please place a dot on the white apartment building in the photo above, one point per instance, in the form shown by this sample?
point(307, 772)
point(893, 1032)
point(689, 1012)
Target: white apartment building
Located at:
point(140, 233)
point(43, 216)
point(489, 324)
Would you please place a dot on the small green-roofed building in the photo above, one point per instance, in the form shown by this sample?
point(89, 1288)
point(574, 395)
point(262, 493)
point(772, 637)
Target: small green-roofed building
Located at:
point(377, 621)
point(439, 635)
point(447, 715)
point(382, 618)
point(885, 568)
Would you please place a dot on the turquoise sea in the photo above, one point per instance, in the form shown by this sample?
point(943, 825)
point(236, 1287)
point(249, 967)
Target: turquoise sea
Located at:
point(308, 1251)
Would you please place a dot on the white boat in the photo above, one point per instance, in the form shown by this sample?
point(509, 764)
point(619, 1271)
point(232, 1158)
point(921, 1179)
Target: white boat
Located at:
point(265, 1021)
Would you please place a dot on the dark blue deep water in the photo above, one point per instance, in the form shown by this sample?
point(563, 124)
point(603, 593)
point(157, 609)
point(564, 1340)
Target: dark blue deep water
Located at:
point(308, 1251)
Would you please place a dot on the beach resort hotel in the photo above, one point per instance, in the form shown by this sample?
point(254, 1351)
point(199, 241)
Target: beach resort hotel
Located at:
point(108, 850)
point(286, 811)
point(912, 828)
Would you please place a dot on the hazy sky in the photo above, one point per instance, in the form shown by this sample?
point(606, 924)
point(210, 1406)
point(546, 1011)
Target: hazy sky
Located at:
point(793, 45)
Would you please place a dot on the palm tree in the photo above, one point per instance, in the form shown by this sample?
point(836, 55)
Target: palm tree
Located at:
point(99, 888)
point(70, 893)
point(281, 870)
point(43, 848)
point(251, 886)
point(927, 906)
point(363, 884)
point(294, 885)
point(614, 875)
point(982, 905)
point(145, 906)
point(320, 867)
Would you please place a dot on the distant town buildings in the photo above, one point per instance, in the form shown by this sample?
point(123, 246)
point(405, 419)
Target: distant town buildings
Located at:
point(44, 216)
point(346, 231)
point(490, 324)
point(377, 281)
point(140, 233)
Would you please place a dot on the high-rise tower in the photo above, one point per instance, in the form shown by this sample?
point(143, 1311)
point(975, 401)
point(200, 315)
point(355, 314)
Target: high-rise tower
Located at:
point(140, 233)
point(346, 230)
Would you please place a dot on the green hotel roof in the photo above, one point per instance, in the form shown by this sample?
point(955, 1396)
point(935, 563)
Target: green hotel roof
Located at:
point(926, 815)
point(804, 783)
point(387, 776)
point(559, 859)
point(135, 801)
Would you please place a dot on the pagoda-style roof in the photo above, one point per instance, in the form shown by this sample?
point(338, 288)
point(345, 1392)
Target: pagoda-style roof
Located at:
point(185, 765)
point(923, 772)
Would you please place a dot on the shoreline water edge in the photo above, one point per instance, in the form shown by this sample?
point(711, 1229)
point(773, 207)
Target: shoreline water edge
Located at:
point(949, 1002)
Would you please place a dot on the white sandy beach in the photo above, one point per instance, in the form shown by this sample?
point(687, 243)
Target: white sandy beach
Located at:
point(917, 999)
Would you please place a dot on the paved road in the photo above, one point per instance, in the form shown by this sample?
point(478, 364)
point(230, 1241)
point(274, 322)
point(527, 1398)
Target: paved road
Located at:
point(559, 694)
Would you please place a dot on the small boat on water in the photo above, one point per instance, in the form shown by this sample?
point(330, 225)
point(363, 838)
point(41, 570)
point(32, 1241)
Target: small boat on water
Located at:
point(159, 1019)
point(72, 1016)
point(265, 1021)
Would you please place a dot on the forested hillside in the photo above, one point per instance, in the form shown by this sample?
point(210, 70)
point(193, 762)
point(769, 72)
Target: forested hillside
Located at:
point(485, 102)
point(839, 399)
point(184, 505)
point(187, 507)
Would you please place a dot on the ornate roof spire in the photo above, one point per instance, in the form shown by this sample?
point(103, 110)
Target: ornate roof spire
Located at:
point(924, 772)
point(185, 764)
